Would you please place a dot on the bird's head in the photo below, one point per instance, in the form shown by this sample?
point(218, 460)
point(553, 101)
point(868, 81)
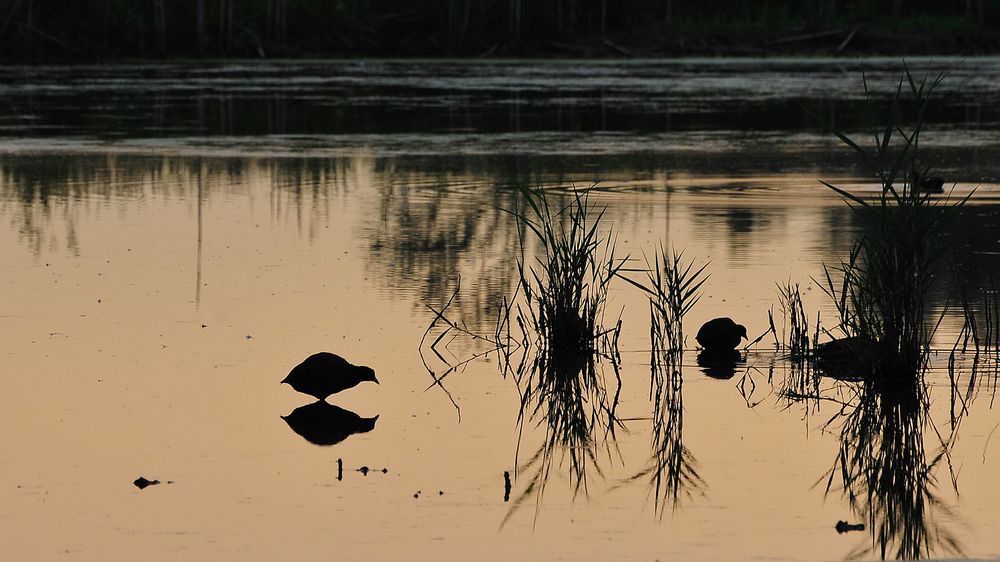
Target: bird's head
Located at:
point(368, 374)
point(742, 331)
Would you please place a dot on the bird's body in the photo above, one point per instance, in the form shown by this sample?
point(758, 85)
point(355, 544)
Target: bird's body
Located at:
point(323, 374)
point(932, 185)
point(720, 334)
point(846, 358)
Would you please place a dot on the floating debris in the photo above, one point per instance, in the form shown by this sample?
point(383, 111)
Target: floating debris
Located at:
point(142, 482)
point(845, 527)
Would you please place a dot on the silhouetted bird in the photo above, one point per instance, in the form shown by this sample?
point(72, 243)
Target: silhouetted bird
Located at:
point(323, 374)
point(325, 424)
point(721, 334)
point(932, 185)
point(846, 358)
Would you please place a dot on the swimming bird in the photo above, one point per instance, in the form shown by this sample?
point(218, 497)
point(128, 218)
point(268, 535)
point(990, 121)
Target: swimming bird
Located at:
point(847, 358)
point(932, 185)
point(323, 374)
point(721, 334)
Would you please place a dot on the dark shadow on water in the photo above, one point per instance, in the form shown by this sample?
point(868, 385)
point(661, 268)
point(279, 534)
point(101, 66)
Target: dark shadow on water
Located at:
point(324, 424)
point(720, 364)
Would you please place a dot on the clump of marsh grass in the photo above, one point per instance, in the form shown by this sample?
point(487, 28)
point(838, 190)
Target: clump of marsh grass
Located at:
point(566, 290)
point(673, 286)
point(794, 338)
point(984, 334)
point(560, 314)
point(881, 290)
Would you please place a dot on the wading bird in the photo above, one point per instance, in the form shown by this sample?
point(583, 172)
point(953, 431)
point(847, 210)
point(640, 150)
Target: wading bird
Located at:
point(721, 334)
point(323, 374)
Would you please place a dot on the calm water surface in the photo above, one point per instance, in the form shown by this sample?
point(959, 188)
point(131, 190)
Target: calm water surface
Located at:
point(178, 236)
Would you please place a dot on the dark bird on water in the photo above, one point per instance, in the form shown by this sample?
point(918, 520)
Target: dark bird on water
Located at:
point(323, 374)
point(721, 334)
point(932, 185)
point(849, 358)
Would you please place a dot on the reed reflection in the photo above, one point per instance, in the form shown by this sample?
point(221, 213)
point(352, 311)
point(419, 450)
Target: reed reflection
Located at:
point(672, 470)
point(673, 285)
point(565, 346)
point(883, 471)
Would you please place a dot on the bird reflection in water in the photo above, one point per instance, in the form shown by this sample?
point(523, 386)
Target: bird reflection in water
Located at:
point(324, 424)
point(720, 364)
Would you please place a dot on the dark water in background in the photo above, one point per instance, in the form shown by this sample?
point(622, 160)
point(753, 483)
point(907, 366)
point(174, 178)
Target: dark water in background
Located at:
point(235, 217)
point(671, 115)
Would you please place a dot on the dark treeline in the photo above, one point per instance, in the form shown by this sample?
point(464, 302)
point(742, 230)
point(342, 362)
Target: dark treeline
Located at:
point(66, 29)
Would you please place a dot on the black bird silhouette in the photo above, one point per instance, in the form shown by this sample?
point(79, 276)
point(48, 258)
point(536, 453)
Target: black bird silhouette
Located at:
point(932, 185)
point(846, 358)
point(324, 424)
point(323, 374)
point(721, 334)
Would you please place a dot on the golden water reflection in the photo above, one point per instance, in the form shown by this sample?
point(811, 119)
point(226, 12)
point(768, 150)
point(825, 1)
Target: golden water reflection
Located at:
point(150, 300)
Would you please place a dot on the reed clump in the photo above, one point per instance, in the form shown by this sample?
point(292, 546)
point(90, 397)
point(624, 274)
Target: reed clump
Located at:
point(880, 291)
point(795, 335)
point(563, 339)
point(565, 291)
point(674, 286)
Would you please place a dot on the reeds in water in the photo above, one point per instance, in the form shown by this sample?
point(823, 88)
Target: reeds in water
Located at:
point(881, 290)
point(883, 470)
point(565, 344)
point(674, 288)
point(794, 337)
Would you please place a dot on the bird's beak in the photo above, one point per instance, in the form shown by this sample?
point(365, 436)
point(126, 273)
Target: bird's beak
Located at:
point(375, 380)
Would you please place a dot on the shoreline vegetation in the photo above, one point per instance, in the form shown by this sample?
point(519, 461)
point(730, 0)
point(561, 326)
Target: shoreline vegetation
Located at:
point(88, 30)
